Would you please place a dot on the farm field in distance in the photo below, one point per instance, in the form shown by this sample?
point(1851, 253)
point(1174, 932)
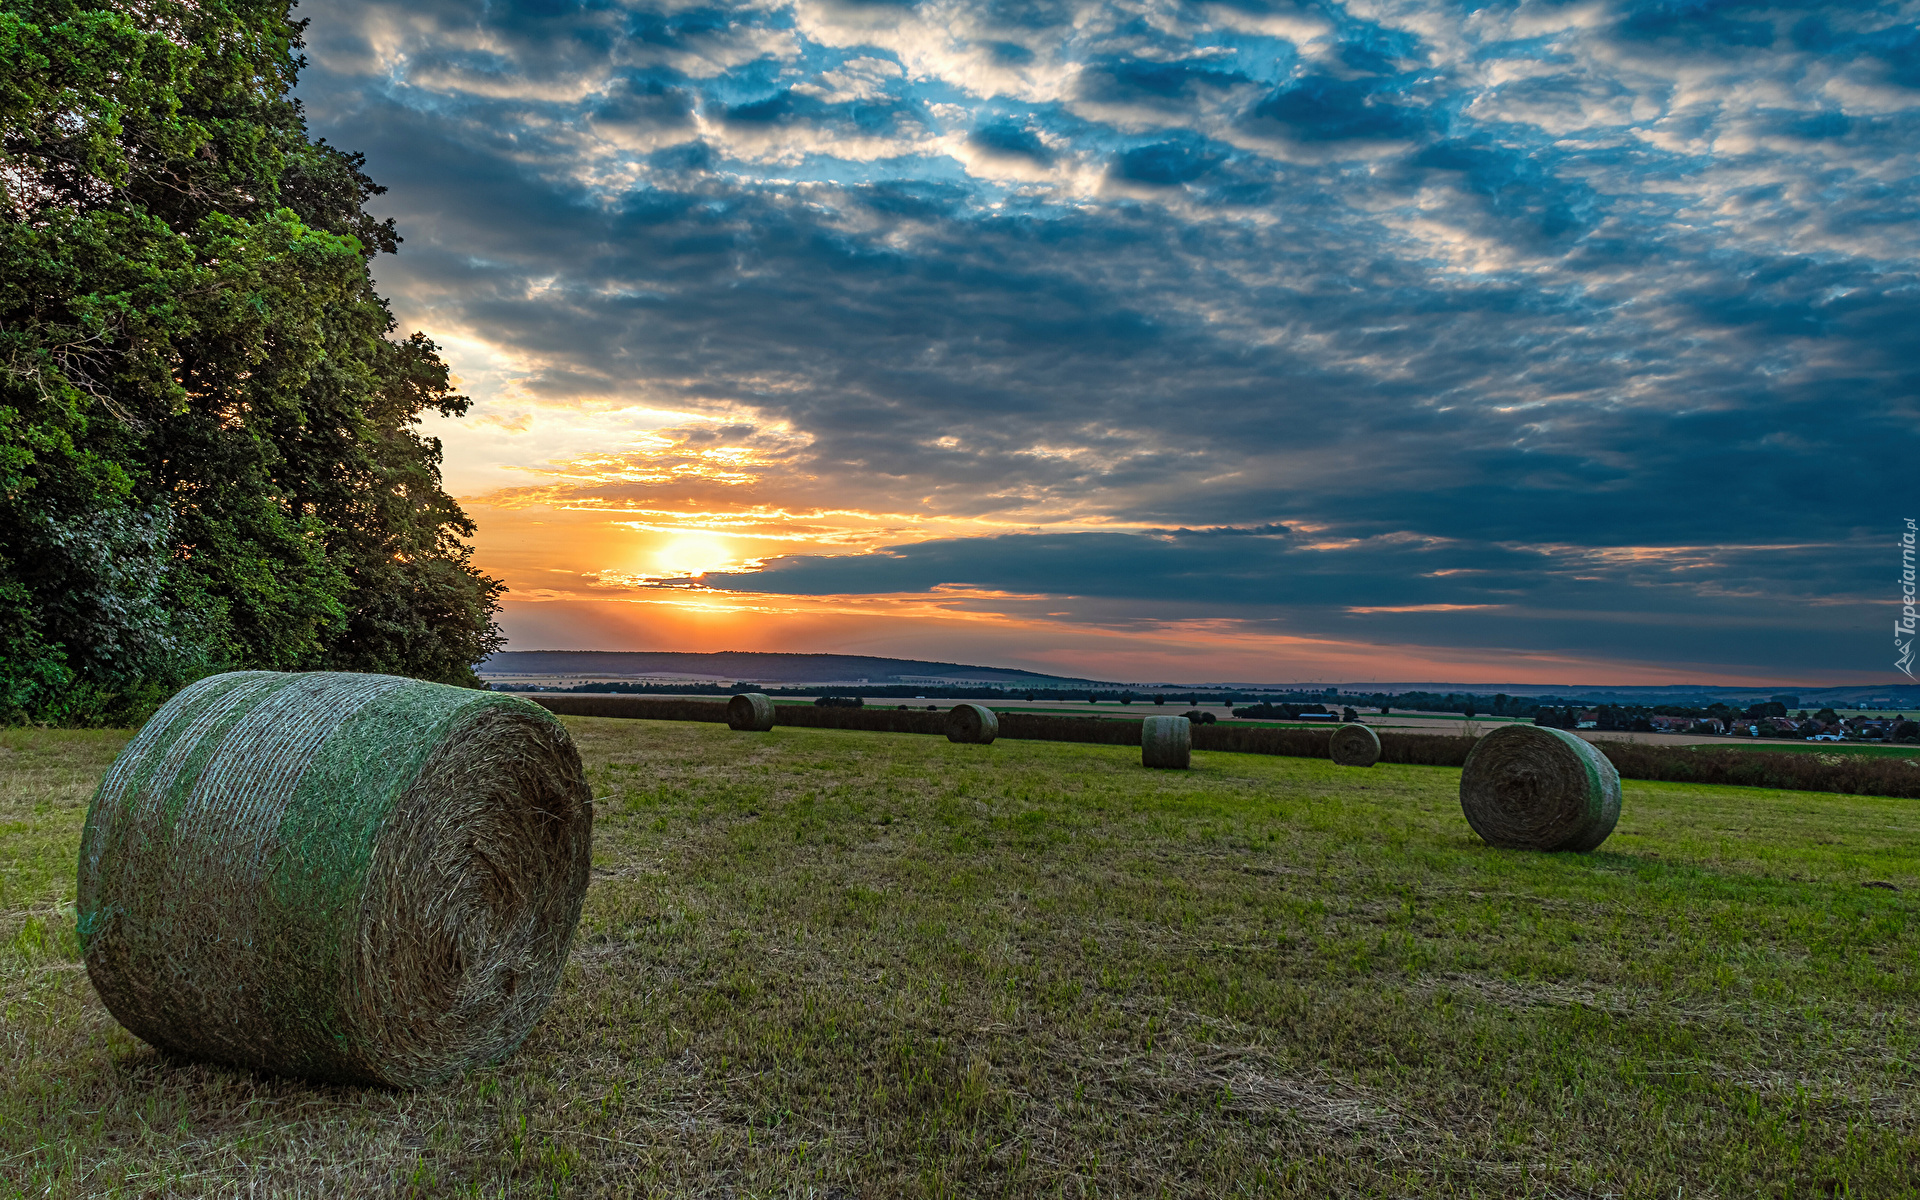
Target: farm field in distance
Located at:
point(824, 963)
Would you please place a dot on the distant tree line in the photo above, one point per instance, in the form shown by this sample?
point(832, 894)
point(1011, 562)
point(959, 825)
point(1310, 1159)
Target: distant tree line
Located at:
point(1564, 712)
point(210, 453)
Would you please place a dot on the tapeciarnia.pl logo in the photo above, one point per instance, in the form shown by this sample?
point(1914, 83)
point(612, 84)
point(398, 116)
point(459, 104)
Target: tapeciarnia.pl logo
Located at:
point(1903, 628)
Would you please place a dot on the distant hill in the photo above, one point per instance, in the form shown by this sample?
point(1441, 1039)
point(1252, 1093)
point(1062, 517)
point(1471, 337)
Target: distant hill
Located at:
point(738, 666)
point(744, 666)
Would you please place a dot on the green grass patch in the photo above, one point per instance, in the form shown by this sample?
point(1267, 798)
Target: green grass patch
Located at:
point(853, 964)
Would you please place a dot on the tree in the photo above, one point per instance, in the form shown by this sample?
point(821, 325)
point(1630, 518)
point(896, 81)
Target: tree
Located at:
point(208, 446)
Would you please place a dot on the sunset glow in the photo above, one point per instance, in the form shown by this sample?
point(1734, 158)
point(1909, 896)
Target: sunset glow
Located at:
point(692, 556)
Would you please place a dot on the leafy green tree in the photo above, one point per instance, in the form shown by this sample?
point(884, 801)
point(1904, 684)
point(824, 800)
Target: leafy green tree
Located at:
point(209, 453)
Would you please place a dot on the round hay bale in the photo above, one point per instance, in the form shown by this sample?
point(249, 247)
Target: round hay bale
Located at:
point(973, 724)
point(351, 878)
point(1166, 742)
point(1529, 787)
point(1354, 746)
point(752, 712)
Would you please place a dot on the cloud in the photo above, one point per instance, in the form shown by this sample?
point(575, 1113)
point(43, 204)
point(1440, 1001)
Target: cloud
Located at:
point(1591, 277)
point(1707, 606)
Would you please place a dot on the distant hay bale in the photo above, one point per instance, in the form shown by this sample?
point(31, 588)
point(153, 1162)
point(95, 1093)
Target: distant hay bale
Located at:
point(752, 712)
point(1166, 742)
point(974, 724)
point(1354, 746)
point(350, 878)
point(1529, 787)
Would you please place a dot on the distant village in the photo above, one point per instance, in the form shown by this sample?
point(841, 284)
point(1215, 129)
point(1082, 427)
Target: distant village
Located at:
point(1768, 720)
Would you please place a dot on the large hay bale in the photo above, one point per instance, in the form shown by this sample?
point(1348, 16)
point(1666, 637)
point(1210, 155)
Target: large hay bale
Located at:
point(1166, 742)
point(353, 878)
point(974, 724)
point(1529, 787)
point(752, 712)
point(1354, 746)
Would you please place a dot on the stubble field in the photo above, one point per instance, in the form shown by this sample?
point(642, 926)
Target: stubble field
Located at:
point(831, 964)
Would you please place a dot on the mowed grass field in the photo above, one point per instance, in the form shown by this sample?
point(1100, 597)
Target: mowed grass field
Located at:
point(828, 964)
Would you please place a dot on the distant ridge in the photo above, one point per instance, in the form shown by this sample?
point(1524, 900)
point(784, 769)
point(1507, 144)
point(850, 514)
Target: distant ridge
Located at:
point(749, 666)
point(743, 666)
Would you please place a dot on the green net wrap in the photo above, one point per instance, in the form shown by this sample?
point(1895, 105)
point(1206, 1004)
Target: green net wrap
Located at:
point(1354, 746)
point(1529, 787)
point(972, 724)
point(355, 878)
point(1166, 742)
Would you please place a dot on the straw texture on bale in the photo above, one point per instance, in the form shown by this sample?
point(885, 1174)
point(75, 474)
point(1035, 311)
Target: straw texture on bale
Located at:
point(1354, 746)
point(1166, 742)
point(1528, 787)
point(752, 712)
point(974, 724)
point(350, 878)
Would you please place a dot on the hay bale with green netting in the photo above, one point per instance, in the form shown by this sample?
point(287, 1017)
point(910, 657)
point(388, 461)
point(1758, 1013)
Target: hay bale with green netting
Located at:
point(973, 724)
point(1166, 742)
point(352, 878)
point(1530, 787)
point(1354, 746)
point(752, 713)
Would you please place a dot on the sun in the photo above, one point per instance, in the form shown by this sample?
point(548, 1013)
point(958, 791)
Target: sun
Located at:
point(692, 556)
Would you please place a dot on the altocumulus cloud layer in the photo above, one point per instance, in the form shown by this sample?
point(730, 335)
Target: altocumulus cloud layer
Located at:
point(1586, 329)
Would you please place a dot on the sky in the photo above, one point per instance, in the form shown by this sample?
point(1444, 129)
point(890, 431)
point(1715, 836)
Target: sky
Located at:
point(1527, 342)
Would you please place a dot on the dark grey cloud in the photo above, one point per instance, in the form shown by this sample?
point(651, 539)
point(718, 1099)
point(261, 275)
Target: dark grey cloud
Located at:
point(1489, 284)
point(1705, 607)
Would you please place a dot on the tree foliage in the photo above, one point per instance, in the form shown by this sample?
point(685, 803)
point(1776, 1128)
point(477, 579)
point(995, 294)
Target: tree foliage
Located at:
point(210, 453)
